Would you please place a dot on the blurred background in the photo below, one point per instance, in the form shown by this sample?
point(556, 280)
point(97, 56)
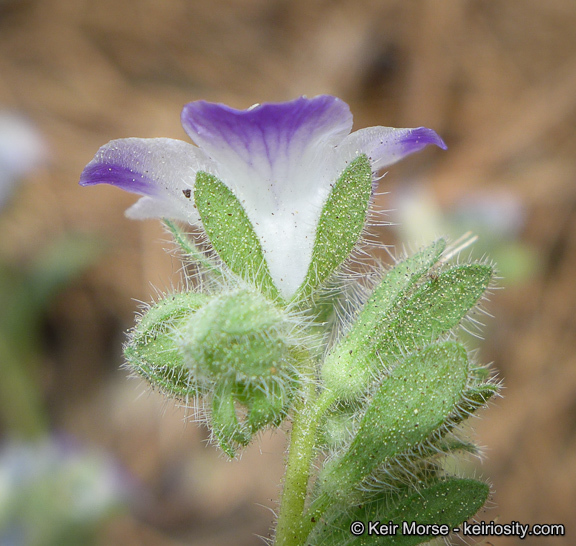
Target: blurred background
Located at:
point(496, 79)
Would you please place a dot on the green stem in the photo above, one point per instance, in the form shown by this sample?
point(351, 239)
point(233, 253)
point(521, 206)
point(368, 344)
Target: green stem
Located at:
point(292, 527)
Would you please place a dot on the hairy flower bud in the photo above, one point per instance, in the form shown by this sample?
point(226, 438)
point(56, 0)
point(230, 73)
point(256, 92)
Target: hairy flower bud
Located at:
point(239, 345)
point(152, 351)
point(239, 336)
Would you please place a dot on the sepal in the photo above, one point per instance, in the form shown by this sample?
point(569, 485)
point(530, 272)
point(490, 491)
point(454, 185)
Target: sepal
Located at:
point(340, 225)
point(227, 430)
point(260, 409)
point(231, 232)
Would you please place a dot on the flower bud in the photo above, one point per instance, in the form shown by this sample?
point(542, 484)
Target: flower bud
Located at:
point(152, 350)
point(239, 345)
point(239, 336)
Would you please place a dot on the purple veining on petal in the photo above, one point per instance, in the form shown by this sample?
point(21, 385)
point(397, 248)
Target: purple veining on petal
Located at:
point(276, 159)
point(279, 159)
point(419, 138)
point(119, 176)
point(273, 130)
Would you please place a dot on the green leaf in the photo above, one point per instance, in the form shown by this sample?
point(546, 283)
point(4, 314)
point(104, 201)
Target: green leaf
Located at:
point(344, 370)
point(225, 426)
point(340, 224)
point(447, 502)
point(434, 309)
point(473, 399)
point(152, 351)
point(395, 285)
point(411, 403)
point(231, 233)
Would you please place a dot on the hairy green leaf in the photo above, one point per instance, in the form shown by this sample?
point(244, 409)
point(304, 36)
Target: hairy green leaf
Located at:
point(448, 502)
point(411, 403)
point(345, 370)
point(433, 309)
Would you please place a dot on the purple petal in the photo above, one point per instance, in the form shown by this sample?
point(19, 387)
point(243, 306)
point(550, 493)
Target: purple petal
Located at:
point(417, 139)
point(161, 169)
point(267, 143)
point(385, 146)
point(268, 128)
point(119, 176)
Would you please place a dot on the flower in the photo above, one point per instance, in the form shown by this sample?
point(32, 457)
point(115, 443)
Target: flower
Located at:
point(279, 159)
point(56, 491)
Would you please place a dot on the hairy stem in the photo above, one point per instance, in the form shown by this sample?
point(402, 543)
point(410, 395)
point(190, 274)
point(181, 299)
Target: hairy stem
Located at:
point(292, 527)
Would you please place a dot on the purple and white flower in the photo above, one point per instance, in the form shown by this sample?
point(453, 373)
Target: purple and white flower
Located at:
point(279, 159)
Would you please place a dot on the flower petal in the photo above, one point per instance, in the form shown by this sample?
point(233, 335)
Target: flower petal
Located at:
point(385, 146)
point(276, 159)
point(270, 140)
point(153, 207)
point(161, 169)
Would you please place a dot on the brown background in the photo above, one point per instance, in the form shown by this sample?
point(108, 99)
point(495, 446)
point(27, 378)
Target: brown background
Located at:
point(497, 79)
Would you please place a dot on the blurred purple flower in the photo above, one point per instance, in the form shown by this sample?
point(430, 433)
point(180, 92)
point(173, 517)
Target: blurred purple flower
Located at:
point(279, 159)
point(54, 486)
